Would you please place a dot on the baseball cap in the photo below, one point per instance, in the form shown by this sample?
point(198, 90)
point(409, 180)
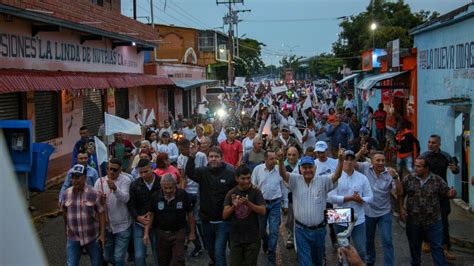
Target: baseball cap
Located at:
point(349, 153)
point(364, 131)
point(321, 146)
point(78, 170)
point(165, 134)
point(285, 128)
point(306, 160)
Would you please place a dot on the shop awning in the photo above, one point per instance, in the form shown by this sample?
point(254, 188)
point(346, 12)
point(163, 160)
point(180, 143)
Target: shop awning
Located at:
point(455, 101)
point(369, 82)
point(350, 77)
point(31, 80)
point(188, 84)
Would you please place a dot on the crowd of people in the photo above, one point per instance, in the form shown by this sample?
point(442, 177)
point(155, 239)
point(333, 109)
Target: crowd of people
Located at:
point(223, 180)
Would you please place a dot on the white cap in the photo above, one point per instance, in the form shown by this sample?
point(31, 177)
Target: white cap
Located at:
point(321, 146)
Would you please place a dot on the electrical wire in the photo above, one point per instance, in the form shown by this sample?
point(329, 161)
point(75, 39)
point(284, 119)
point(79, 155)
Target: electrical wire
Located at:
point(287, 20)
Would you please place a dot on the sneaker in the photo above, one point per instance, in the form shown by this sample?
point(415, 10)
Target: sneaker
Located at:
point(449, 255)
point(425, 247)
point(290, 244)
point(196, 252)
point(396, 214)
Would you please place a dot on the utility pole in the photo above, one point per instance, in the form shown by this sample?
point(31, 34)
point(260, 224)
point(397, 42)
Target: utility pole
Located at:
point(134, 3)
point(235, 17)
point(230, 20)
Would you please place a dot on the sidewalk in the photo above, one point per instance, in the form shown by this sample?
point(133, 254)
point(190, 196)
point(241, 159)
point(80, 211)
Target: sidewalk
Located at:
point(461, 225)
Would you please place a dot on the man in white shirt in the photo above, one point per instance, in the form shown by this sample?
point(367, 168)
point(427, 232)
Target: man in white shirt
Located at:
point(192, 188)
point(327, 105)
point(309, 201)
point(114, 190)
point(267, 178)
point(353, 191)
point(285, 119)
point(324, 164)
point(350, 103)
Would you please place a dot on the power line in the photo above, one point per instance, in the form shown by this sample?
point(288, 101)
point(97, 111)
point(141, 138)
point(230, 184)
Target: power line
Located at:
point(287, 20)
point(169, 15)
point(190, 15)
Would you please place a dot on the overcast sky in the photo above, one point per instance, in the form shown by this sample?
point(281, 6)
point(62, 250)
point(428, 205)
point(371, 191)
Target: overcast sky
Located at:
point(306, 38)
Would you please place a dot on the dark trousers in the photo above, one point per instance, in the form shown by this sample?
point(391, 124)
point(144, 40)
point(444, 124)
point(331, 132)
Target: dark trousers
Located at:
point(445, 211)
point(433, 234)
point(170, 247)
point(244, 254)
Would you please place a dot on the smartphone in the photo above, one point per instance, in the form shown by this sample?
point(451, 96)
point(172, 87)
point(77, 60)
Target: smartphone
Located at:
point(455, 159)
point(339, 215)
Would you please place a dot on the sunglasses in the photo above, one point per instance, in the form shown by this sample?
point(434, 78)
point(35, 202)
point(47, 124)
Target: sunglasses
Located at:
point(115, 170)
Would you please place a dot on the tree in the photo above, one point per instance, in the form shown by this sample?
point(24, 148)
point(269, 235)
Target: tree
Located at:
point(249, 61)
point(291, 62)
point(393, 20)
point(324, 66)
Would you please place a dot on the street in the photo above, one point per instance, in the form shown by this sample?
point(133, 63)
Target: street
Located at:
point(51, 234)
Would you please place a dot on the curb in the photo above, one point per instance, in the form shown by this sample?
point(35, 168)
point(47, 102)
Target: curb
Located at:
point(458, 241)
point(41, 217)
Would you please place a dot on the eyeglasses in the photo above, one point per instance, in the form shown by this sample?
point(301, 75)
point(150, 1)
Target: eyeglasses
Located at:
point(115, 170)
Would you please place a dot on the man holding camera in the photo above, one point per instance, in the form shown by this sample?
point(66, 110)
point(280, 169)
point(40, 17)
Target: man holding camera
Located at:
point(309, 201)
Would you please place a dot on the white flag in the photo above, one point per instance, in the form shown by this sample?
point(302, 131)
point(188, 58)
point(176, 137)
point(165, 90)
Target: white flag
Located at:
point(297, 133)
point(144, 114)
point(222, 137)
point(151, 117)
point(100, 151)
point(115, 124)
point(201, 109)
point(279, 89)
point(267, 128)
point(307, 102)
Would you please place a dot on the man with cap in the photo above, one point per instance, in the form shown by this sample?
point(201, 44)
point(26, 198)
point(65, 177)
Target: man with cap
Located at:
point(91, 174)
point(81, 206)
point(309, 201)
point(353, 191)
point(284, 141)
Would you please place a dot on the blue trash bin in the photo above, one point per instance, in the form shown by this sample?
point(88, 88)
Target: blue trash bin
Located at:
point(39, 168)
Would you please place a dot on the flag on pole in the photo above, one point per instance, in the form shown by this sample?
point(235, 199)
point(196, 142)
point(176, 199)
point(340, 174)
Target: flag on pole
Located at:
point(297, 133)
point(267, 128)
point(144, 114)
point(115, 124)
point(222, 137)
point(151, 117)
point(307, 102)
point(100, 151)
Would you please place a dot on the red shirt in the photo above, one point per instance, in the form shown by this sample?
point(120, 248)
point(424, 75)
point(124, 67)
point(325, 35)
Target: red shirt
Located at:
point(380, 117)
point(169, 170)
point(231, 151)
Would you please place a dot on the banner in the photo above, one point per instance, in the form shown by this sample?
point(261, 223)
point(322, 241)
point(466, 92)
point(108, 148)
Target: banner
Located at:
point(279, 89)
point(115, 124)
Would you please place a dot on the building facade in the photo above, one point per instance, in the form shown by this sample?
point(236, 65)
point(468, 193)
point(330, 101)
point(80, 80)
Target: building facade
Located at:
point(446, 89)
point(62, 68)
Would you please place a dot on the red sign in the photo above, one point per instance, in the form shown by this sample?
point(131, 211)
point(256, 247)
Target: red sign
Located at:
point(367, 60)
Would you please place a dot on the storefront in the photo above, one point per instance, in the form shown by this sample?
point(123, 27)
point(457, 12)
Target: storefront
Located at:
point(446, 89)
point(61, 79)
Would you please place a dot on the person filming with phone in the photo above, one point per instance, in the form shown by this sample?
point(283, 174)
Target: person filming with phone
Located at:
point(353, 191)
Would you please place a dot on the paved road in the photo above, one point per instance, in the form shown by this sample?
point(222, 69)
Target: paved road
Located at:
point(51, 233)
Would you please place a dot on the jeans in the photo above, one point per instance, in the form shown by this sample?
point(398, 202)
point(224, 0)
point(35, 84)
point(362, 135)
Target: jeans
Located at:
point(195, 204)
point(74, 251)
point(116, 246)
point(380, 135)
point(358, 237)
point(384, 223)
point(215, 237)
point(405, 162)
point(310, 245)
point(433, 233)
point(272, 218)
point(140, 248)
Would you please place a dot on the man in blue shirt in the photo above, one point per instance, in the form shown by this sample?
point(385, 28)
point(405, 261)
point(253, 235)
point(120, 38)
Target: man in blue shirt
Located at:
point(339, 133)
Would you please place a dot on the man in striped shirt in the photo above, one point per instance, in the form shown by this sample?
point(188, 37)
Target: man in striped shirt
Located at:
point(309, 201)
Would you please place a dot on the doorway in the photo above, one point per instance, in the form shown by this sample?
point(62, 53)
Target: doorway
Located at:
point(462, 149)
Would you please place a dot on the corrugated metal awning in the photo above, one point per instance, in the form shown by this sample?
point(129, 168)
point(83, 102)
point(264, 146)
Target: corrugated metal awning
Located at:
point(31, 80)
point(350, 77)
point(188, 84)
point(369, 82)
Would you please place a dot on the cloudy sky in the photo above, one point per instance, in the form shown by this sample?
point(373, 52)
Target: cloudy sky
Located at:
point(303, 27)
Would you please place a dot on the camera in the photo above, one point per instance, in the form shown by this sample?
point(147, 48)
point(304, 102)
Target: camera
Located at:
point(339, 215)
